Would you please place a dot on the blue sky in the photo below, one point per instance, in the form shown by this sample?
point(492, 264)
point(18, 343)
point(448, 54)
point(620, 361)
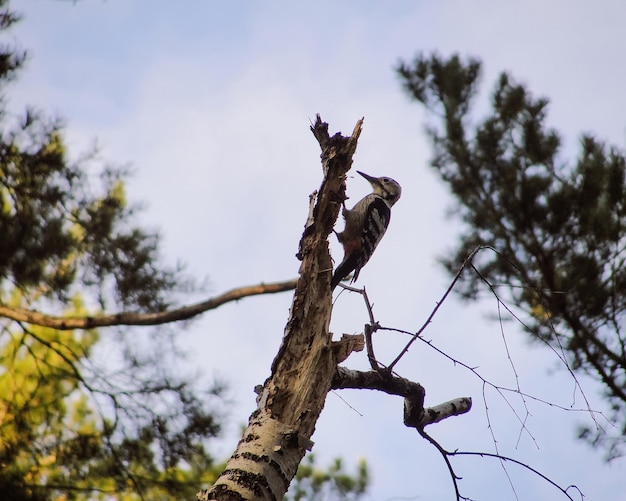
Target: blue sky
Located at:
point(211, 104)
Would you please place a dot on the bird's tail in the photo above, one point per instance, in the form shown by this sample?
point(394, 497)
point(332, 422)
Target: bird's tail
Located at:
point(347, 266)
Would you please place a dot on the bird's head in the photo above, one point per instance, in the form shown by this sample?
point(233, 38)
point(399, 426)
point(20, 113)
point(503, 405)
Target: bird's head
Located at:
point(388, 189)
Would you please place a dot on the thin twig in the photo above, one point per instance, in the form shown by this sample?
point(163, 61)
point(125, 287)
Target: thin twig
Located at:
point(368, 329)
point(561, 356)
point(447, 454)
point(434, 312)
point(444, 454)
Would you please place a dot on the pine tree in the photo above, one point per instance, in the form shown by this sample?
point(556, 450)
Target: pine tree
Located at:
point(71, 427)
point(556, 228)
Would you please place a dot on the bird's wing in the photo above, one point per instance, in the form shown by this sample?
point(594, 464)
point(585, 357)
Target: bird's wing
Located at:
point(376, 221)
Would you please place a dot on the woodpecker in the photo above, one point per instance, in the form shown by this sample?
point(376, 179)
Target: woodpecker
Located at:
point(366, 224)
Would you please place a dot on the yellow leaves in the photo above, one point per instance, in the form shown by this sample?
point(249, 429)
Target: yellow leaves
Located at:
point(40, 369)
point(31, 386)
point(538, 309)
point(113, 200)
point(118, 192)
point(41, 399)
point(54, 149)
point(77, 232)
point(47, 460)
point(8, 205)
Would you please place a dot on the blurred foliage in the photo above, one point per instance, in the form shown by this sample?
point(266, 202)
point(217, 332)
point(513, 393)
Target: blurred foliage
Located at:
point(313, 483)
point(75, 424)
point(557, 226)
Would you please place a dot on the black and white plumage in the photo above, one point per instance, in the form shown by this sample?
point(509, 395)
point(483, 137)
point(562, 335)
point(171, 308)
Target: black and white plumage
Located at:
point(366, 224)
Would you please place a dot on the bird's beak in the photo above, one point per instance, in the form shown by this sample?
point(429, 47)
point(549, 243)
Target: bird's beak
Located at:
point(371, 179)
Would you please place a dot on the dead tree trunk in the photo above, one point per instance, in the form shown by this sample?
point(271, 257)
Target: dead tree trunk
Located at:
point(292, 398)
point(306, 367)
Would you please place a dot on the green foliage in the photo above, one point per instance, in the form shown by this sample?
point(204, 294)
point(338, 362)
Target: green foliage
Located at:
point(59, 228)
point(57, 225)
point(313, 483)
point(558, 228)
point(75, 424)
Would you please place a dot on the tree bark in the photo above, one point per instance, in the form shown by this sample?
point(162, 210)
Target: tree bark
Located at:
point(290, 402)
point(133, 318)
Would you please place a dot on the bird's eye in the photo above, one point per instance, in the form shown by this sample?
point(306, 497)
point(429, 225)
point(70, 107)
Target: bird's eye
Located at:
point(386, 179)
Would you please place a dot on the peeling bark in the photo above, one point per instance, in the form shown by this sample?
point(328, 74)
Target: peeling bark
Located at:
point(291, 400)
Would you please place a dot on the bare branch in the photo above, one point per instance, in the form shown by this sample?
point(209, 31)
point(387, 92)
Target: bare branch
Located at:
point(131, 318)
point(440, 412)
point(432, 314)
point(564, 490)
point(415, 413)
point(560, 353)
point(345, 378)
point(447, 455)
point(369, 329)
